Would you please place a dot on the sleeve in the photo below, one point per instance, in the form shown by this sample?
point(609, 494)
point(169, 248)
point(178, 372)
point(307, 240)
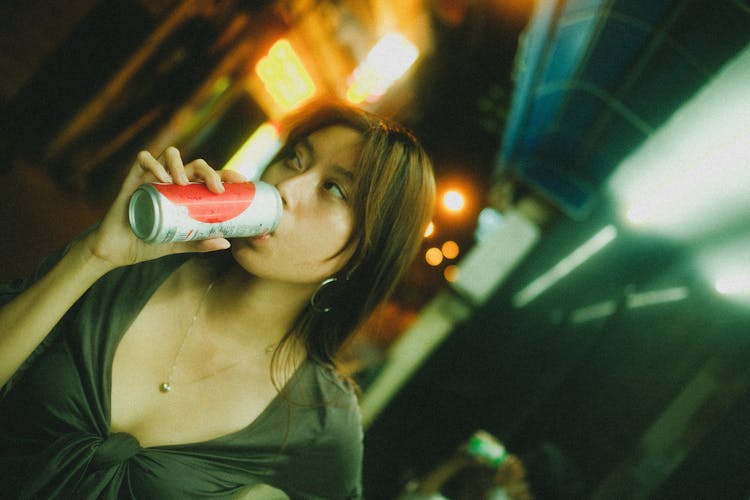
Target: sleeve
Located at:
point(331, 467)
point(342, 453)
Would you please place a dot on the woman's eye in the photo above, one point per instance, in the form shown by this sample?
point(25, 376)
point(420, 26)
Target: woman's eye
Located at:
point(293, 160)
point(335, 189)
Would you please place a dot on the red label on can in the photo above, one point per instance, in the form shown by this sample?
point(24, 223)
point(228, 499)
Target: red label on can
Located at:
point(206, 206)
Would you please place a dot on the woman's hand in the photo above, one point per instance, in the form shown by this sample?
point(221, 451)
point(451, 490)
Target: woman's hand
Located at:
point(115, 243)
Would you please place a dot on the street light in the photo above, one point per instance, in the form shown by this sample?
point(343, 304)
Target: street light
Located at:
point(453, 200)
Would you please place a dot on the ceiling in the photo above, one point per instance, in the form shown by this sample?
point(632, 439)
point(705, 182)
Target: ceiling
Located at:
point(595, 78)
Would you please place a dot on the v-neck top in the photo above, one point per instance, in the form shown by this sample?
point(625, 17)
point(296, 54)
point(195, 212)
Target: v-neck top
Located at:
point(55, 438)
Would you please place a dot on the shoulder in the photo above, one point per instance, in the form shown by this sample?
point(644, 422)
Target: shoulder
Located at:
point(340, 417)
point(334, 383)
point(332, 396)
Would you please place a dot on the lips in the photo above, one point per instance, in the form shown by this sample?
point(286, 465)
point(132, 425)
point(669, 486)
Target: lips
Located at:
point(261, 237)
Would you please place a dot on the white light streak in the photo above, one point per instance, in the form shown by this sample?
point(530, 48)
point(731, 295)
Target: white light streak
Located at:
point(692, 176)
point(565, 266)
point(655, 297)
point(252, 158)
point(592, 312)
point(725, 265)
point(733, 285)
point(388, 60)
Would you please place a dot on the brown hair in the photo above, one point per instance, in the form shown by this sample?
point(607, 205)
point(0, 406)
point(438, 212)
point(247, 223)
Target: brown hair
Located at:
point(392, 204)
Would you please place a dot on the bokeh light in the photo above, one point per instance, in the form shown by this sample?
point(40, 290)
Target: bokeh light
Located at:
point(453, 200)
point(284, 76)
point(451, 273)
point(433, 256)
point(450, 249)
point(388, 60)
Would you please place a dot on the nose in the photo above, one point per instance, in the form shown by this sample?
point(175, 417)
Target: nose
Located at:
point(294, 189)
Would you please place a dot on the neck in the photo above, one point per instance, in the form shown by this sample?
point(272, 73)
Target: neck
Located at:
point(252, 309)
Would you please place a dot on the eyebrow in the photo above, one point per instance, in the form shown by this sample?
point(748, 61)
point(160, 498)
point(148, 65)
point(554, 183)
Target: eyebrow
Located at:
point(344, 172)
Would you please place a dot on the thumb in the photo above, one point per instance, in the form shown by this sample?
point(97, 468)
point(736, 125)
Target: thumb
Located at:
point(210, 245)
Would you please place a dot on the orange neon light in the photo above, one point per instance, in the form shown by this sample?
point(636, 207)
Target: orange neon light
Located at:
point(284, 76)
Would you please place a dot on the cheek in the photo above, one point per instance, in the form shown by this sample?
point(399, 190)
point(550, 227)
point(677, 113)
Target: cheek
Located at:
point(326, 235)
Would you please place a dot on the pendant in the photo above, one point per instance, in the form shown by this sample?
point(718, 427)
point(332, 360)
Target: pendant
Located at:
point(165, 387)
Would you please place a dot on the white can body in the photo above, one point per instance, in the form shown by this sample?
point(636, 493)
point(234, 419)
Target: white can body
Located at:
point(161, 213)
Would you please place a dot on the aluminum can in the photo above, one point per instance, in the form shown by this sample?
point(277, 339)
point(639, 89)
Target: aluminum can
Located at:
point(161, 213)
point(484, 445)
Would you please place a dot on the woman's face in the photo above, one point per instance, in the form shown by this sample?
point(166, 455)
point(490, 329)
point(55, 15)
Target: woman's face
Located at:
point(316, 180)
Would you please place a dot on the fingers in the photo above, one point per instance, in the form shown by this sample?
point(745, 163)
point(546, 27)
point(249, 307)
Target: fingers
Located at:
point(195, 170)
point(199, 169)
point(145, 163)
point(211, 245)
point(231, 176)
point(174, 165)
point(169, 167)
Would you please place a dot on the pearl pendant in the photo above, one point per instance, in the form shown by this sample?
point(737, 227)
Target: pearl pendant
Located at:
point(165, 387)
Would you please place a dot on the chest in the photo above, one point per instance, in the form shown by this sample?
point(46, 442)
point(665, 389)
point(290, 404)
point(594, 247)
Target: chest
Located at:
point(215, 391)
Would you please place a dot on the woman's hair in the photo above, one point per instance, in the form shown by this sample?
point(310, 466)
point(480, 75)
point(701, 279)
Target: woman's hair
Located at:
point(392, 202)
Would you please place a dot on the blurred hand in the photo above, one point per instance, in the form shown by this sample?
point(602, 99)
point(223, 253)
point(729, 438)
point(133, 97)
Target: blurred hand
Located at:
point(511, 475)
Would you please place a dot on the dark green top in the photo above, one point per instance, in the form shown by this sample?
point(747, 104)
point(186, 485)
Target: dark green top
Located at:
point(55, 438)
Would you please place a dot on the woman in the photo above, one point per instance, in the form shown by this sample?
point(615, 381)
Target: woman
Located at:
point(196, 369)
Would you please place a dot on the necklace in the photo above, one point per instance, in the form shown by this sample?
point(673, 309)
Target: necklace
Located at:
point(166, 386)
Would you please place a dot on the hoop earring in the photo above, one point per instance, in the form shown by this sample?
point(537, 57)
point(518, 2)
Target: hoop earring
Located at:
point(315, 299)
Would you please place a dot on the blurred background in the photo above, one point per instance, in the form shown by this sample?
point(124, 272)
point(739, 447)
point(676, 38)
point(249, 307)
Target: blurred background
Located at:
point(586, 279)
